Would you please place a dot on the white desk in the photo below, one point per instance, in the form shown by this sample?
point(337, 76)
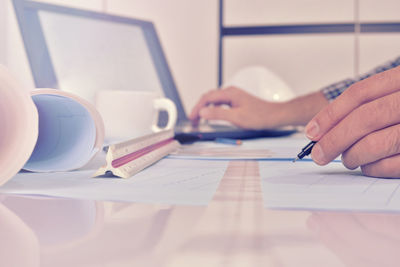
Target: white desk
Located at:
point(233, 230)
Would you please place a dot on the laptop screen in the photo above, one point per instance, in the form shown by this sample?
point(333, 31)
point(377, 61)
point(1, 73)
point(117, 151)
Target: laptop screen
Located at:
point(90, 55)
point(83, 51)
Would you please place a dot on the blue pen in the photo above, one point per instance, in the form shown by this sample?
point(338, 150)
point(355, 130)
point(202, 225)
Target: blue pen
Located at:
point(228, 141)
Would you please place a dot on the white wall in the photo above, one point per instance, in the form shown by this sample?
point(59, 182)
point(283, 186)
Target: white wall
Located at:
point(270, 12)
point(379, 11)
point(305, 62)
point(309, 62)
point(378, 47)
point(3, 32)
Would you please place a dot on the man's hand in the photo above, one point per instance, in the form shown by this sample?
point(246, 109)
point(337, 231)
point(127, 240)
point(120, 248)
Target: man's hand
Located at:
point(244, 110)
point(362, 124)
point(247, 111)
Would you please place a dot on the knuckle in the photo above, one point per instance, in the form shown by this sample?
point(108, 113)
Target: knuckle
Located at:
point(377, 114)
point(350, 160)
point(373, 148)
point(395, 71)
point(329, 118)
point(330, 142)
point(207, 97)
point(330, 147)
point(239, 118)
point(232, 90)
point(389, 170)
point(214, 113)
point(346, 161)
point(376, 169)
point(366, 117)
point(391, 104)
point(386, 106)
point(386, 76)
point(356, 92)
point(208, 93)
point(386, 168)
point(393, 140)
point(368, 170)
point(204, 96)
point(372, 143)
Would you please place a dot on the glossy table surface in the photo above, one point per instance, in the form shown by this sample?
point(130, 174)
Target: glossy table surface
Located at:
point(233, 230)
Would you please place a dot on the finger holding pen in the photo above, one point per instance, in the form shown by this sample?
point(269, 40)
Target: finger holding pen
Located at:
point(363, 125)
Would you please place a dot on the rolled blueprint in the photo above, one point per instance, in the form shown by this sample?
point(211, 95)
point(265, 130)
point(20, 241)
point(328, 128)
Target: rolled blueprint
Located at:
point(45, 130)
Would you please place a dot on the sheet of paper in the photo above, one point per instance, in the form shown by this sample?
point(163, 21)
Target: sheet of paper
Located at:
point(304, 185)
point(264, 148)
point(173, 182)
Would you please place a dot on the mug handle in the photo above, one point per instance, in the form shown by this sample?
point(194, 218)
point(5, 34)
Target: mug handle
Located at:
point(168, 106)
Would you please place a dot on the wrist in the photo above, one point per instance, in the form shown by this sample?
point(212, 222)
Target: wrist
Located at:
point(290, 113)
point(299, 111)
point(276, 114)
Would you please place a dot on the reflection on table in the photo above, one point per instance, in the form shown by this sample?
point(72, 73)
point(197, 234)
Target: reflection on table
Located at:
point(233, 230)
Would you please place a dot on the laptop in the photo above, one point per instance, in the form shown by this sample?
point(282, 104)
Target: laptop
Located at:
point(74, 49)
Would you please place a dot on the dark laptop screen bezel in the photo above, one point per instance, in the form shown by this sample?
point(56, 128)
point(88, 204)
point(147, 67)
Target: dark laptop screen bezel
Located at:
point(40, 60)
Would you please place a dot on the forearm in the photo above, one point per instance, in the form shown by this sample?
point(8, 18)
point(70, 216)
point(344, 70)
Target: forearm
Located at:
point(301, 110)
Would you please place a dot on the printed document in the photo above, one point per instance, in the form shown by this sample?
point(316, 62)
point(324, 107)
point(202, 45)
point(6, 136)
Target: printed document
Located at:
point(173, 182)
point(304, 185)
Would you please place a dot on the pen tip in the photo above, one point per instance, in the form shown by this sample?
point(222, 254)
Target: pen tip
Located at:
point(295, 159)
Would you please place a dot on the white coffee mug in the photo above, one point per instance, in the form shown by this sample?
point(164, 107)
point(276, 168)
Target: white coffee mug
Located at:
point(131, 114)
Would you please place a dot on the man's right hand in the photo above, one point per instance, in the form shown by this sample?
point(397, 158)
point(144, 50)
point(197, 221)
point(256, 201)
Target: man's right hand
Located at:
point(237, 107)
point(246, 111)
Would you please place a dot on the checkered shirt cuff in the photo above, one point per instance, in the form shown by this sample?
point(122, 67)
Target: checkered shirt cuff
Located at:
point(334, 90)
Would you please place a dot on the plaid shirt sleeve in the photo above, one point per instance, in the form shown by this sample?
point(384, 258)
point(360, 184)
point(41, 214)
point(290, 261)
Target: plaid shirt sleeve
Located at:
point(334, 90)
